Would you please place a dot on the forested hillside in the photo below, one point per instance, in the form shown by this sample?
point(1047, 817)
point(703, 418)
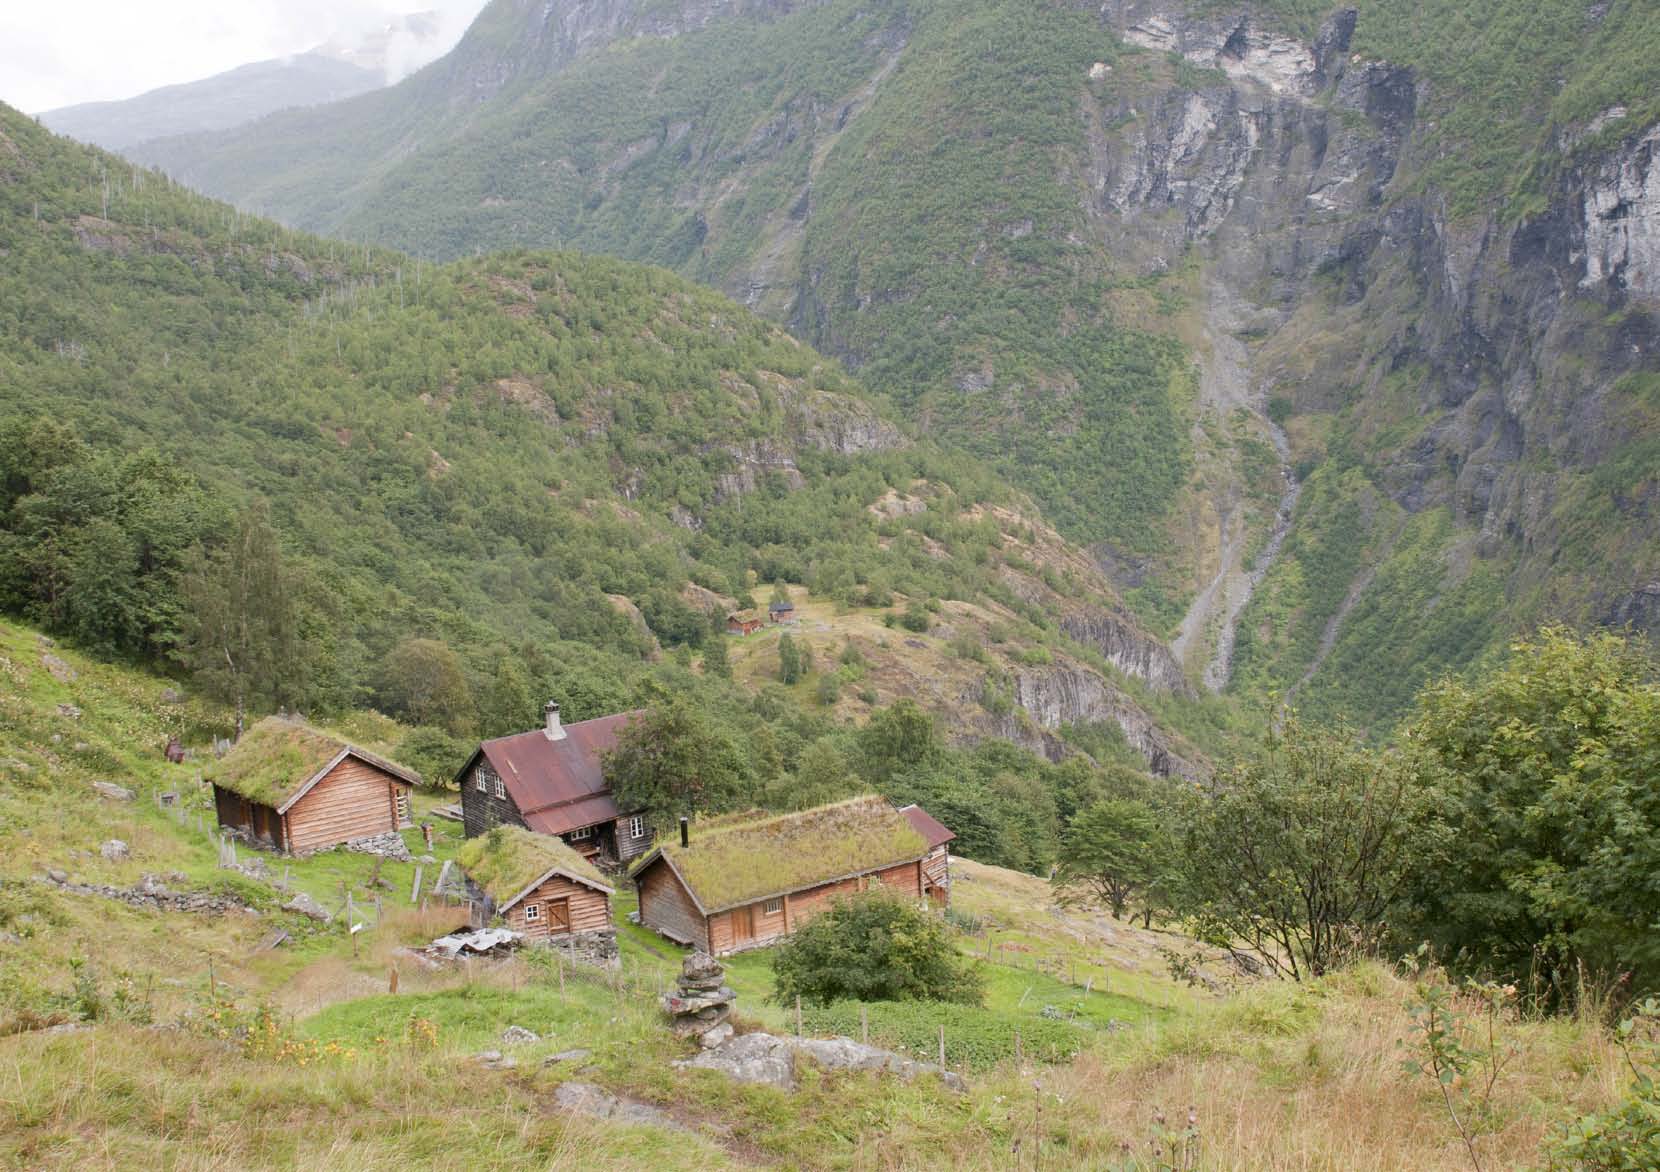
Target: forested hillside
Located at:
point(1330, 329)
point(320, 476)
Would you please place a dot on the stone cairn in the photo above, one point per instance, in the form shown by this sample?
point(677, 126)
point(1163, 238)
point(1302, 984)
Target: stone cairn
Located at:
point(702, 1001)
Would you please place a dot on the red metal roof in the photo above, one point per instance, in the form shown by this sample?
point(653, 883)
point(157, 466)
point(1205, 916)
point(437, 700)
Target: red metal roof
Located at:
point(558, 785)
point(926, 825)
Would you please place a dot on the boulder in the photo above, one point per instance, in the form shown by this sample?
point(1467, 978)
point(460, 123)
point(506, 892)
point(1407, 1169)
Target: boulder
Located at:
point(58, 875)
point(576, 1055)
point(516, 1035)
point(770, 1060)
point(116, 793)
point(582, 1098)
point(59, 670)
point(69, 710)
point(718, 1036)
point(306, 906)
point(115, 851)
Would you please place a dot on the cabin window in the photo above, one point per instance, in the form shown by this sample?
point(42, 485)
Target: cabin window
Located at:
point(636, 827)
point(481, 779)
point(772, 907)
point(579, 835)
point(501, 791)
point(533, 913)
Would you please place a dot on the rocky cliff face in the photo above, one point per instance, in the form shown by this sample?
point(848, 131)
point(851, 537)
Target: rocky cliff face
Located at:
point(1483, 356)
point(1067, 693)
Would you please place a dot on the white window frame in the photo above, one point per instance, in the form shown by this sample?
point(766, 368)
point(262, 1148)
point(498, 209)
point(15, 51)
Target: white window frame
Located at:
point(637, 827)
point(501, 790)
point(533, 913)
point(582, 835)
point(481, 779)
point(773, 907)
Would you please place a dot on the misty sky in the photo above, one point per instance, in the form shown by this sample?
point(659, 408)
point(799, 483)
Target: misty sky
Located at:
point(59, 52)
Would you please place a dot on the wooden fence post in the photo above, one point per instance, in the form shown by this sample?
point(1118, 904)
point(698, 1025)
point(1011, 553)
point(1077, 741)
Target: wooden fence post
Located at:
point(942, 1046)
point(415, 892)
point(864, 1023)
point(798, 1015)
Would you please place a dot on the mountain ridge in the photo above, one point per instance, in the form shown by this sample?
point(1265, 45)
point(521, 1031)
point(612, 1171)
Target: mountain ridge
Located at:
point(1145, 258)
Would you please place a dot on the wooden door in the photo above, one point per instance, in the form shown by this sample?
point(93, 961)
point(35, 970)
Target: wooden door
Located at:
point(559, 916)
point(743, 924)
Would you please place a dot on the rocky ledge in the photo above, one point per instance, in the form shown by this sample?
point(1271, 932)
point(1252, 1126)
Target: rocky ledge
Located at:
point(771, 1060)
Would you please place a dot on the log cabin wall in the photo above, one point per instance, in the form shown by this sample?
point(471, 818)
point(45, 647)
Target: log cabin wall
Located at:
point(355, 800)
point(587, 910)
point(667, 907)
point(260, 824)
point(754, 926)
point(482, 806)
point(629, 844)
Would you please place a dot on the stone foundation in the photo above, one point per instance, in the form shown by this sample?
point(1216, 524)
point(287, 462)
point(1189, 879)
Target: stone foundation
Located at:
point(592, 948)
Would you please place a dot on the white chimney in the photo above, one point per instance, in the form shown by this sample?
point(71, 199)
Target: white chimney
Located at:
point(555, 730)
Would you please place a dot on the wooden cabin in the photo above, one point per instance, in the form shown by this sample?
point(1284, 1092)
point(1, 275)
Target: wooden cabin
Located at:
point(290, 787)
point(551, 780)
point(747, 881)
point(781, 611)
point(537, 884)
point(742, 624)
point(936, 867)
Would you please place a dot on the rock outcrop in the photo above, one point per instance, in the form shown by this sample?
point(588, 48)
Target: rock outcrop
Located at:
point(771, 1060)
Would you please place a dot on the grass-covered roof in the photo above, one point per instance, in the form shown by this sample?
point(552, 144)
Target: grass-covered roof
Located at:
point(508, 859)
point(275, 758)
point(734, 861)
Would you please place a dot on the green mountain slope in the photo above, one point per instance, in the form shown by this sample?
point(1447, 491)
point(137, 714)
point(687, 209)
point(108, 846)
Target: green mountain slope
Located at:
point(1331, 330)
point(561, 461)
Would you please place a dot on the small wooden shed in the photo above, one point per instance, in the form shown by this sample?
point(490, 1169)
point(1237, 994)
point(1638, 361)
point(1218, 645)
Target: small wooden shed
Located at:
point(742, 623)
point(291, 787)
point(936, 868)
point(537, 884)
point(749, 880)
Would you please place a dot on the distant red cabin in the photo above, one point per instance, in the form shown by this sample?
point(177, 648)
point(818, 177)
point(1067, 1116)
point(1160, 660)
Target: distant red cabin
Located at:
point(742, 624)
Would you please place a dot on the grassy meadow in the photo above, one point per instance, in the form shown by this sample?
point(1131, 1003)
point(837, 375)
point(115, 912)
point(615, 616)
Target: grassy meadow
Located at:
point(131, 1037)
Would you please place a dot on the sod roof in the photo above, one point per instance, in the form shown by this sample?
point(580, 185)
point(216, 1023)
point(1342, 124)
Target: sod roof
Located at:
point(507, 863)
point(738, 860)
point(278, 759)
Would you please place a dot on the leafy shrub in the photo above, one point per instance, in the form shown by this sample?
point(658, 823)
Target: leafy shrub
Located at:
point(1626, 1138)
point(874, 947)
point(434, 754)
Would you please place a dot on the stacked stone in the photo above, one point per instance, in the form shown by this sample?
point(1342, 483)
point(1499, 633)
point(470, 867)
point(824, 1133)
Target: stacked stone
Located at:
point(702, 1001)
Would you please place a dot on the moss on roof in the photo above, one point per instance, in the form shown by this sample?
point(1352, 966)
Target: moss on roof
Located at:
point(733, 861)
point(508, 859)
point(273, 760)
point(276, 757)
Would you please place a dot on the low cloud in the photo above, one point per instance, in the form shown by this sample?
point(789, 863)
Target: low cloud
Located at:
point(55, 55)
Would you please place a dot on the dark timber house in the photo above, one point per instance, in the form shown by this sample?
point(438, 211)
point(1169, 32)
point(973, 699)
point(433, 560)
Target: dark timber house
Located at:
point(291, 787)
point(551, 780)
point(748, 880)
point(543, 889)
